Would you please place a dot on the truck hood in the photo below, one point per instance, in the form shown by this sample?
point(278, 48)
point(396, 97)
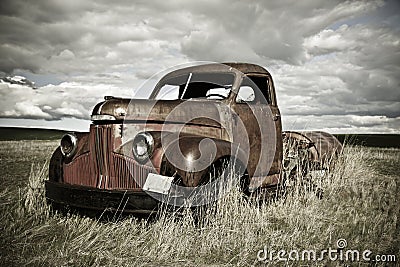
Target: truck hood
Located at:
point(194, 111)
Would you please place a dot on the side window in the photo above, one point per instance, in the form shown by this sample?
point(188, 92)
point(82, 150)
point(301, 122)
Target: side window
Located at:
point(255, 88)
point(245, 94)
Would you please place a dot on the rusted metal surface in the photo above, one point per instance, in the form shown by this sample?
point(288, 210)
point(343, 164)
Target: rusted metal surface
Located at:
point(102, 167)
point(322, 147)
point(249, 131)
point(144, 111)
point(327, 145)
point(101, 200)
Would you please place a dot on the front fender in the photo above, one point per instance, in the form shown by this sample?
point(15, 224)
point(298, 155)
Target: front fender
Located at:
point(57, 159)
point(55, 166)
point(191, 158)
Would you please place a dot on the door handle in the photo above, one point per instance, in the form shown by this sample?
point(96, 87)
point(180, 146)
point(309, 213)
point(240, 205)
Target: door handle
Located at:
point(276, 117)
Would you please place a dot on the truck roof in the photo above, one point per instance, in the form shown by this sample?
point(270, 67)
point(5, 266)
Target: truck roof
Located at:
point(247, 67)
point(221, 67)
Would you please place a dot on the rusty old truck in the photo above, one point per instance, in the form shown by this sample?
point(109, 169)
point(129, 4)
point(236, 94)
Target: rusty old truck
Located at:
point(173, 147)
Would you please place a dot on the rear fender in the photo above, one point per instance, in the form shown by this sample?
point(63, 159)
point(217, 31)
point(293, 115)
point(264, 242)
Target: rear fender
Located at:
point(321, 148)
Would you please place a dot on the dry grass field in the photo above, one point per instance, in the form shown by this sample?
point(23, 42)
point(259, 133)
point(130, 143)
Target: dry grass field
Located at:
point(360, 205)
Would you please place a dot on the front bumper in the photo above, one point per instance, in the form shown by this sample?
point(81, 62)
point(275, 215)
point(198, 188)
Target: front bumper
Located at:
point(89, 198)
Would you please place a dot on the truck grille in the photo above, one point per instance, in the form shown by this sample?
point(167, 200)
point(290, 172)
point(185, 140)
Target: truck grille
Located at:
point(102, 168)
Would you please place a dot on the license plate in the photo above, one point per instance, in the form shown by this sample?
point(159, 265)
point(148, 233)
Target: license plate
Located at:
point(158, 183)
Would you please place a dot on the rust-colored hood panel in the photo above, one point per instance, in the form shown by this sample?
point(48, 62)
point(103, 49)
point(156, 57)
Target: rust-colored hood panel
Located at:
point(168, 111)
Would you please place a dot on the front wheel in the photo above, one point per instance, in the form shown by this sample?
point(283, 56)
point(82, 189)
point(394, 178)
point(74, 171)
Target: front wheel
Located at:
point(229, 171)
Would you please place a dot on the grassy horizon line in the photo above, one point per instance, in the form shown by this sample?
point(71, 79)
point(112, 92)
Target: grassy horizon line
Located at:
point(25, 133)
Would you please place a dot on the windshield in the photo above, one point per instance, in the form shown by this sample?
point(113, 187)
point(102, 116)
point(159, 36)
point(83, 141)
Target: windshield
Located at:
point(195, 85)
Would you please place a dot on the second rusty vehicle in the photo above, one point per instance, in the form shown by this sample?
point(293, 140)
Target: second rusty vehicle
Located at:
point(139, 153)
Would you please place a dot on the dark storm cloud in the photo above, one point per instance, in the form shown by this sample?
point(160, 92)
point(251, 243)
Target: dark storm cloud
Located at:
point(275, 32)
point(215, 30)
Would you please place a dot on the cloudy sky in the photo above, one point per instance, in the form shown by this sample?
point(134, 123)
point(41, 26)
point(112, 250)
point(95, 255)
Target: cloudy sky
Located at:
point(335, 64)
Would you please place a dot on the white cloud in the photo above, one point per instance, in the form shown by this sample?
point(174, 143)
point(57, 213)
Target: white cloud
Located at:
point(343, 76)
point(54, 102)
point(26, 109)
point(342, 124)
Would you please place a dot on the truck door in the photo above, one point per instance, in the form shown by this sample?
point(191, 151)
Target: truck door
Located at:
point(256, 107)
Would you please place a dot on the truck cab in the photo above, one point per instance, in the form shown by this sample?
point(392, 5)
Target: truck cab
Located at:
point(182, 141)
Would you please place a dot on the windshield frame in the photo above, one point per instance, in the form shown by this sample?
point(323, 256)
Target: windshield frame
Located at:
point(235, 81)
point(192, 79)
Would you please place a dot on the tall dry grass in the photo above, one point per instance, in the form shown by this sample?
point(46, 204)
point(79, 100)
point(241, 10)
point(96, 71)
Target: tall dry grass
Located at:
point(359, 205)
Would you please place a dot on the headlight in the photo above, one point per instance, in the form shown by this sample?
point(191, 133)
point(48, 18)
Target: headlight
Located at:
point(143, 145)
point(68, 145)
